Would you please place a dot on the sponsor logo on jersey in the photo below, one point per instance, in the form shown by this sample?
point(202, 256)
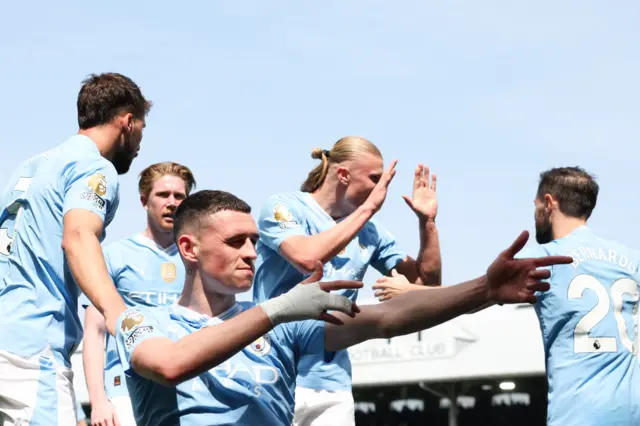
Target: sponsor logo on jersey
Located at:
point(168, 271)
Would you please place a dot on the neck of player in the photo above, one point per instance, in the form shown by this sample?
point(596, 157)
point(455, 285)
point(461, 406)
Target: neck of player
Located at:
point(328, 197)
point(162, 238)
point(195, 297)
point(565, 225)
point(104, 137)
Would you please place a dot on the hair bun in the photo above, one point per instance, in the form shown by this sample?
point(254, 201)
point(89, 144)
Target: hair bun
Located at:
point(316, 153)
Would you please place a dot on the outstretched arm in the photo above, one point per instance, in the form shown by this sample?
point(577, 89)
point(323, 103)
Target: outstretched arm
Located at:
point(160, 359)
point(508, 280)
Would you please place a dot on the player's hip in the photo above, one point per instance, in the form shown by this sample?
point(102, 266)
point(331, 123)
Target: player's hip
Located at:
point(36, 390)
point(323, 407)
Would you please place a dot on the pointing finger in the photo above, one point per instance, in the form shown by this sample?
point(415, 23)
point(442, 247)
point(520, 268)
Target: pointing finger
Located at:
point(340, 285)
point(552, 260)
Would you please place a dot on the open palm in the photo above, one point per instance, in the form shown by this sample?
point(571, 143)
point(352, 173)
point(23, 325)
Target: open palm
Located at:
point(423, 201)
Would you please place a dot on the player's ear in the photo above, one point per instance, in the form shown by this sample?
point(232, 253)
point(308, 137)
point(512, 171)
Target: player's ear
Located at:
point(549, 201)
point(128, 121)
point(144, 201)
point(343, 175)
point(188, 247)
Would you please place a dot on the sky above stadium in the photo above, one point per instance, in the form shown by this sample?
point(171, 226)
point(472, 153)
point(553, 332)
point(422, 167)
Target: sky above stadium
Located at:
point(487, 94)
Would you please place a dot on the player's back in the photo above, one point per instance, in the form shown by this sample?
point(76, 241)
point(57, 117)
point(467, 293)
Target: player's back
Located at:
point(588, 322)
point(38, 296)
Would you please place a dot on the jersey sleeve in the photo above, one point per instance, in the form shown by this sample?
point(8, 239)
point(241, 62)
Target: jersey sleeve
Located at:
point(388, 253)
point(309, 336)
point(134, 326)
point(92, 185)
point(280, 219)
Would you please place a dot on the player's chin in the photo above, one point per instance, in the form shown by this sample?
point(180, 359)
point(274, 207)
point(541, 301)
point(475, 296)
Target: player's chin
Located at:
point(167, 223)
point(243, 279)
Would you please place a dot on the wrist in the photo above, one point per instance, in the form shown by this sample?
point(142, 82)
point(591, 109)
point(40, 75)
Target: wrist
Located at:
point(488, 293)
point(427, 221)
point(276, 308)
point(98, 400)
point(366, 210)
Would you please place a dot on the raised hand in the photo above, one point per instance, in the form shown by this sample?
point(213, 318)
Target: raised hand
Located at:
point(379, 193)
point(511, 280)
point(423, 200)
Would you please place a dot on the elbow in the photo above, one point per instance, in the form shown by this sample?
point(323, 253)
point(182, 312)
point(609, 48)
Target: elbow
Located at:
point(165, 371)
point(71, 239)
point(304, 263)
point(170, 375)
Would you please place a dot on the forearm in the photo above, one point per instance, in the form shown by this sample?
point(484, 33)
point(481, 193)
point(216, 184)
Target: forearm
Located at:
point(93, 360)
point(429, 260)
point(304, 251)
point(419, 310)
point(86, 262)
point(407, 313)
point(205, 349)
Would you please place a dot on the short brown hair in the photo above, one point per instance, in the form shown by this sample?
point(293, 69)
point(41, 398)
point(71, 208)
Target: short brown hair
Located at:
point(158, 170)
point(575, 189)
point(102, 97)
point(194, 210)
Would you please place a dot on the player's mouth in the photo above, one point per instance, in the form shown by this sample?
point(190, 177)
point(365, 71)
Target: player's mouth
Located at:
point(247, 270)
point(168, 217)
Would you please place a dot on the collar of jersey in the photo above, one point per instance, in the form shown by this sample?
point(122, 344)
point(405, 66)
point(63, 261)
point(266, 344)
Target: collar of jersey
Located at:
point(313, 204)
point(579, 230)
point(197, 321)
point(148, 242)
point(83, 139)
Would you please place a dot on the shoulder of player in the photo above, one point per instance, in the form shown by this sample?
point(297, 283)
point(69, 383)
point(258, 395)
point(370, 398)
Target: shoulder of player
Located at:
point(287, 198)
point(140, 316)
point(85, 161)
point(119, 246)
point(535, 250)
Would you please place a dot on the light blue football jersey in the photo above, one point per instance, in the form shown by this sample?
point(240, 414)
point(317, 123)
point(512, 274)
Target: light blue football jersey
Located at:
point(38, 296)
point(297, 213)
point(254, 387)
point(588, 321)
point(145, 274)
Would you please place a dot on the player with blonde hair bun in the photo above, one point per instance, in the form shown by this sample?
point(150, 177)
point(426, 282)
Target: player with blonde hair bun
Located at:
point(331, 220)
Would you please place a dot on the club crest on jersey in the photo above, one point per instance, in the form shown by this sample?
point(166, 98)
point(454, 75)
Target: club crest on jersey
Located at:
point(98, 184)
point(130, 320)
point(261, 346)
point(168, 271)
point(284, 216)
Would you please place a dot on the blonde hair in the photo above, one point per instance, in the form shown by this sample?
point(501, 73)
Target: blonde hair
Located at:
point(345, 149)
point(159, 170)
